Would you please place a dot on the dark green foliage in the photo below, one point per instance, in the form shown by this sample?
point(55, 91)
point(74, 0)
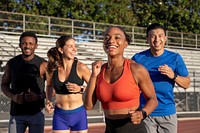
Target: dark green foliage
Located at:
point(176, 15)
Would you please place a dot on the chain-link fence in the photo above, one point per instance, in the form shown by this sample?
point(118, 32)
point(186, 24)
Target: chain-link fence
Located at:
point(95, 115)
point(185, 101)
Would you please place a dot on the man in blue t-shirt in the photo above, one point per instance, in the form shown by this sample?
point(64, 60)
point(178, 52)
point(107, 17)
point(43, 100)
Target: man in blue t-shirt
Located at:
point(165, 68)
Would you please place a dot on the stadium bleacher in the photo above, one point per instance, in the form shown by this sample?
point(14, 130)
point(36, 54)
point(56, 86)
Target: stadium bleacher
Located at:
point(87, 52)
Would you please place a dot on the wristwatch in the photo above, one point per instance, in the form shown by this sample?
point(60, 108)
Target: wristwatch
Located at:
point(144, 114)
point(175, 76)
point(82, 89)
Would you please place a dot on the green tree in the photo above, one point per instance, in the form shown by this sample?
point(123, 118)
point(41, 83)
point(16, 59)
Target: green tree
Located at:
point(5, 5)
point(176, 15)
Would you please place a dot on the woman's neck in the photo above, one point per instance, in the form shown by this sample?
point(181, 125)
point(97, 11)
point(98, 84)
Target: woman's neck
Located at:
point(115, 62)
point(67, 64)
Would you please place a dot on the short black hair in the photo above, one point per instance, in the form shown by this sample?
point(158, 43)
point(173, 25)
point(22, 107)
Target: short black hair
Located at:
point(28, 33)
point(155, 26)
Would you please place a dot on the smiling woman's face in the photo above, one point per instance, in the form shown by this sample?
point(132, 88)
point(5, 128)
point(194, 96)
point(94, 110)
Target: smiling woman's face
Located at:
point(114, 41)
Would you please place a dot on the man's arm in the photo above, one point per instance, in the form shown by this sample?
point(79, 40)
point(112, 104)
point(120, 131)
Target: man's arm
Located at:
point(6, 80)
point(183, 82)
point(5, 86)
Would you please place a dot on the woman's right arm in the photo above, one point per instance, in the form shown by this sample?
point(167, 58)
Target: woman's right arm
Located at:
point(90, 95)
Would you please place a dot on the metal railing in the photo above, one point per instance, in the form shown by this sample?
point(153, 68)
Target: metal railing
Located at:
point(86, 30)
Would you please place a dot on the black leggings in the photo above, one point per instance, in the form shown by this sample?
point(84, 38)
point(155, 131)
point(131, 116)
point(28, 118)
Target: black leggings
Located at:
point(124, 126)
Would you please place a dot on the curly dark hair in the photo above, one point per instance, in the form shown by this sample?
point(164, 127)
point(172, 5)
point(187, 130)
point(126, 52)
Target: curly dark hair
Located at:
point(128, 37)
point(28, 33)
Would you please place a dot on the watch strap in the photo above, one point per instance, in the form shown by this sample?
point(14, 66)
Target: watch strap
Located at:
point(175, 76)
point(144, 114)
point(82, 89)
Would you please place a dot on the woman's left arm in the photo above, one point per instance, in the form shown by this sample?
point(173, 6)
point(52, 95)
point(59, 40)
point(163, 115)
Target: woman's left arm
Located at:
point(143, 80)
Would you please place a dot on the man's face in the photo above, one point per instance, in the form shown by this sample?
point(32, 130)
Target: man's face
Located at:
point(157, 39)
point(28, 45)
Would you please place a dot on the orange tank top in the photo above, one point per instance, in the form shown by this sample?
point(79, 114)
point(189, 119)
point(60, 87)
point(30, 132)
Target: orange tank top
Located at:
point(123, 93)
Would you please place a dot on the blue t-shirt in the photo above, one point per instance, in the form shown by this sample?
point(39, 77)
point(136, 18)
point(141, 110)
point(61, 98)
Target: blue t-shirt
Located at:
point(163, 84)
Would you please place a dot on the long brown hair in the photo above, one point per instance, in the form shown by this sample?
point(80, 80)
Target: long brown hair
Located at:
point(55, 59)
point(54, 55)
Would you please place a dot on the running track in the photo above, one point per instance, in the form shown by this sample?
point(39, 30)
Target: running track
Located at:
point(184, 126)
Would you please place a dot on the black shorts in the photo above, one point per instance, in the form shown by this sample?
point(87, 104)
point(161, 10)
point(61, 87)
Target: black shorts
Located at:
point(124, 126)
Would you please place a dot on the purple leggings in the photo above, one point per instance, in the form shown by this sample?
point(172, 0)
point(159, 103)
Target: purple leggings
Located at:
point(74, 120)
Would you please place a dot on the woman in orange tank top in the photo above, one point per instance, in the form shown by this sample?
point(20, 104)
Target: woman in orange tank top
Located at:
point(117, 85)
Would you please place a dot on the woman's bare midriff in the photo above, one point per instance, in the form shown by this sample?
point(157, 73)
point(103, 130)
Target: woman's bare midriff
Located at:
point(69, 102)
point(118, 113)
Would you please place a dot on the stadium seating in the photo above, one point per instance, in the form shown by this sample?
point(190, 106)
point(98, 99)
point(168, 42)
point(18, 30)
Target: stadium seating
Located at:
point(87, 52)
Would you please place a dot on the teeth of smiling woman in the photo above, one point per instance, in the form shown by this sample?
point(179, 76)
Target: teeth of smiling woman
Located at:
point(112, 47)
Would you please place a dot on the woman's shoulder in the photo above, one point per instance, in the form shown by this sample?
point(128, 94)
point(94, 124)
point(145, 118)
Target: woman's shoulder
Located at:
point(82, 66)
point(136, 67)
